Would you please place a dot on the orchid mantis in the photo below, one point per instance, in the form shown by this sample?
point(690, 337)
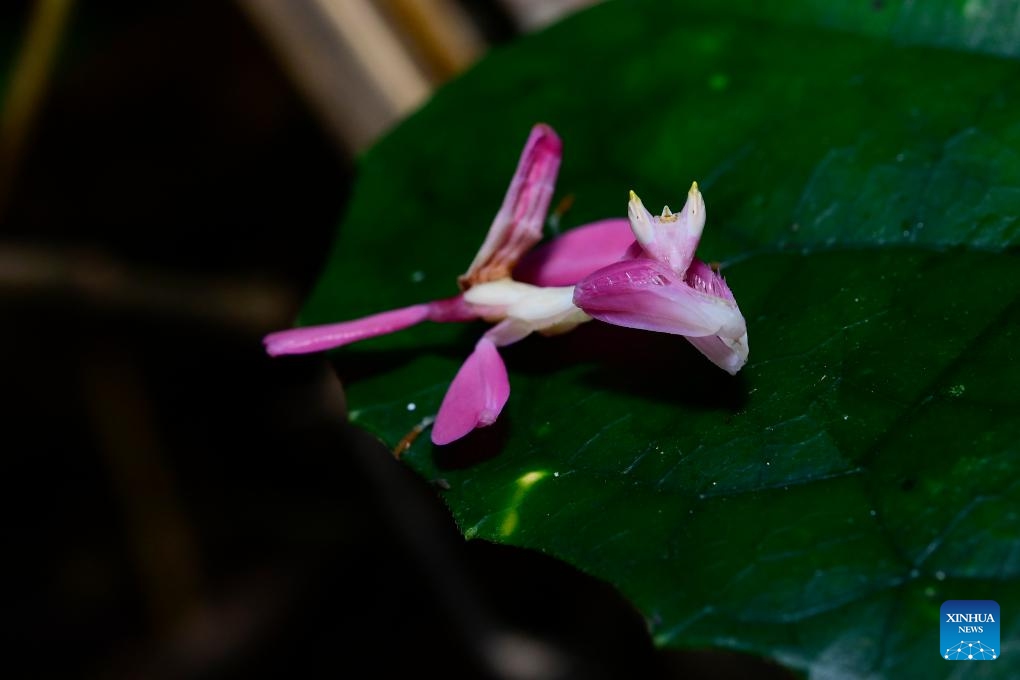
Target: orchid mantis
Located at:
point(638, 273)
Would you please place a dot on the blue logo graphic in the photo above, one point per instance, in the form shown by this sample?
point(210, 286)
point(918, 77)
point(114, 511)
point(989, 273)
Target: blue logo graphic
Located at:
point(970, 630)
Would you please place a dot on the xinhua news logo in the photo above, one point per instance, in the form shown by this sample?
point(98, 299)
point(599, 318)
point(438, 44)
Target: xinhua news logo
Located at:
point(970, 630)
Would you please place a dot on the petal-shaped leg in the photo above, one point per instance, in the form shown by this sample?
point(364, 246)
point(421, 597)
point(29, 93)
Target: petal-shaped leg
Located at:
point(729, 355)
point(518, 224)
point(509, 331)
point(647, 294)
point(320, 338)
point(476, 396)
point(572, 256)
point(703, 278)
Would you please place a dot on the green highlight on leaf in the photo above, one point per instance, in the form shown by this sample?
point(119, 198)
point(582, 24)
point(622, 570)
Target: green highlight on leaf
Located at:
point(524, 484)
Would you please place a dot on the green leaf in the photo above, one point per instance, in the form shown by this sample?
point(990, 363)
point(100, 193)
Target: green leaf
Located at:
point(863, 194)
point(989, 26)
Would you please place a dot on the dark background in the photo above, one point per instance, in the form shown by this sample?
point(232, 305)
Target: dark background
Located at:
point(181, 505)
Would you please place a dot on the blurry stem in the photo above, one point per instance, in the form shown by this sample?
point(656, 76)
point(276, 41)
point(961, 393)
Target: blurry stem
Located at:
point(27, 86)
point(98, 279)
point(531, 15)
point(159, 536)
point(377, 51)
point(445, 37)
point(346, 60)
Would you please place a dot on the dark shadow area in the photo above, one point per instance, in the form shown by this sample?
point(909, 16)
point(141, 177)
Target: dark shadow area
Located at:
point(723, 666)
point(172, 137)
point(354, 363)
point(480, 445)
point(655, 366)
point(584, 617)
